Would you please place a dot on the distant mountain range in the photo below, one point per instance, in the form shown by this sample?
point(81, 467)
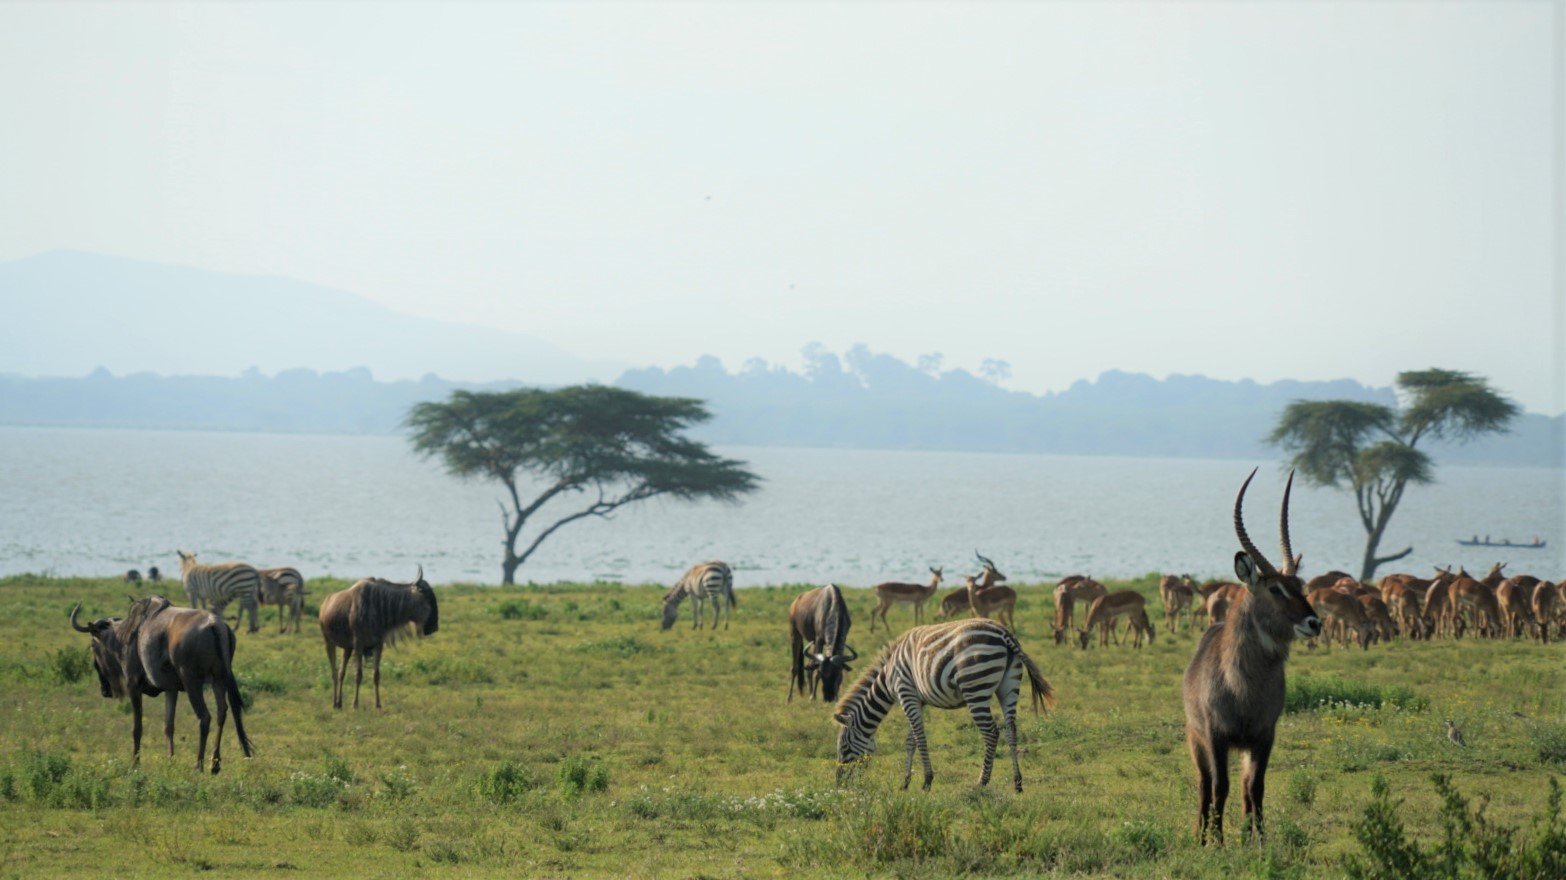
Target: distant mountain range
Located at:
point(65, 313)
point(135, 330)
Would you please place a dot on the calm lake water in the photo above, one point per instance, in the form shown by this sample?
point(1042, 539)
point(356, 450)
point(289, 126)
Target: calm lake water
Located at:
point(97, 502)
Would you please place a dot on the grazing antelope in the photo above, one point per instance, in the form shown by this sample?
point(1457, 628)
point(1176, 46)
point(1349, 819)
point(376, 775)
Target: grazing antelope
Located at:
point(1379, 616)
point(999, 602)
point(1471, 599)
point(708, 580)
point(945, 665)
point(368, 616)
point(1546, 607)
point(1068, 593)
point(285, 588)
point(1233, 689)
point(1514, 599)
point(890, 593)
point(818, 627)
point(1341, 613)
point(217, 585)
point(1105, 612)
point(1177, 594)
point(1406, 608)
point(160, 649)
point(1326, 579)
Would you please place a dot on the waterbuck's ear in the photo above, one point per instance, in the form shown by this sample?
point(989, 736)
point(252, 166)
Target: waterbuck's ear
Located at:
point(1245, 569)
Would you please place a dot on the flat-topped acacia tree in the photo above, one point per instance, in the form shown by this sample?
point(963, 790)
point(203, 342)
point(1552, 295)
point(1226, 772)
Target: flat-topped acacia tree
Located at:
point(1370, 448)
point(612, 445)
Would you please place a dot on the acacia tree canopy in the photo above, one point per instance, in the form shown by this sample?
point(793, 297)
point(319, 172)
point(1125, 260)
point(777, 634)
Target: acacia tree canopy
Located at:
point(1370, 449)
point(614, 445)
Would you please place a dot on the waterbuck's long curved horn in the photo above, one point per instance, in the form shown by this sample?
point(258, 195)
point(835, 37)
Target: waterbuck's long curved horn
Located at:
point(1239, 529)
point(1289, 564)
point(76, 626)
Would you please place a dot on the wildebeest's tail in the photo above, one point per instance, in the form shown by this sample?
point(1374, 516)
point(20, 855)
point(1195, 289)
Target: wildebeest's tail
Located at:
point(231, 690)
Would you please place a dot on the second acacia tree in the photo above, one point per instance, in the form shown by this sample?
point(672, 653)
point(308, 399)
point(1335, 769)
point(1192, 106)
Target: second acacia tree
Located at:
point(609, 446)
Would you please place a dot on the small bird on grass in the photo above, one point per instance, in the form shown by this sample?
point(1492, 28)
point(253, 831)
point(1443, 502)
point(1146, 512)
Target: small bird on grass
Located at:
point(1455, 735)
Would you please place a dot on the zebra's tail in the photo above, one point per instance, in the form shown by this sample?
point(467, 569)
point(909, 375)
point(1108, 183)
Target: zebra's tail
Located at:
point(1043, 694)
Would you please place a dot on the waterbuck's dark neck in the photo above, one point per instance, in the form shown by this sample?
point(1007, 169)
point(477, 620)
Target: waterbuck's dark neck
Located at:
point(1255, 644)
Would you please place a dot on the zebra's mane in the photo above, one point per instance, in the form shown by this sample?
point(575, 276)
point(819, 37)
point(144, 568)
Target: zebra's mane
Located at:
point(861, 685)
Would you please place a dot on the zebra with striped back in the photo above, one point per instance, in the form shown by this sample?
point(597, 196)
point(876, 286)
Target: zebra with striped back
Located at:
point(945, 665)
point(285, 588)
point(709, 580)
point(217, 585)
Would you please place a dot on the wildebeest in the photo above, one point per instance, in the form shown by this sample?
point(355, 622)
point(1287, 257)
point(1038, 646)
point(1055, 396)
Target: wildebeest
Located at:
point(366, 617)
point(153, 574)
point(132, 577)
point(1234, 688)
point(160, 649)
point(818, 625)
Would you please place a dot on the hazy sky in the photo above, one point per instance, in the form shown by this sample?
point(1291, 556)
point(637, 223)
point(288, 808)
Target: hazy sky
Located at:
point(1272, 189)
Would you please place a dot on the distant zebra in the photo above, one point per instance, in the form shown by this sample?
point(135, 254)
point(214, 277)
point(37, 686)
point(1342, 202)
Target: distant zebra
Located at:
point(218, 585)
point(945, 665)
point(709, 580)
point(285, 588)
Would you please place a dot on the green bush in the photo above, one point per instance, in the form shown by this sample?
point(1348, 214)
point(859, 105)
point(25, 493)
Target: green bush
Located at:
point(578, 775)
point(71, 665)
point(520, 609)
point(1308, 693)
point(504, 783)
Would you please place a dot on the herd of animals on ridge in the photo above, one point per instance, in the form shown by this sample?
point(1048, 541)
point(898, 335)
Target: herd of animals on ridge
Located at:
point(1233, 688)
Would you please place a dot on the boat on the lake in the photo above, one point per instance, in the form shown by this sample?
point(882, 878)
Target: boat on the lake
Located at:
point(1535, 544)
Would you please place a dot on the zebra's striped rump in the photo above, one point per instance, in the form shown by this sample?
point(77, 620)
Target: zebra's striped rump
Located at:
point(214, 586)
point(948, 666)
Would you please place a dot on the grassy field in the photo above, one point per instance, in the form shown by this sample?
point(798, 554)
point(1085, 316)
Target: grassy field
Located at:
point(556, 732)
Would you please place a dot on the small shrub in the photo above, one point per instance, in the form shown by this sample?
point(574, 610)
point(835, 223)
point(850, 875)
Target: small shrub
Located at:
point(1308, 693)
point(504, 783)
point(1549, 742)
point(309, 790)
point(578, 775)
point(1302, 787)
point(338, 769)
point(520, 609)
point(70, 665)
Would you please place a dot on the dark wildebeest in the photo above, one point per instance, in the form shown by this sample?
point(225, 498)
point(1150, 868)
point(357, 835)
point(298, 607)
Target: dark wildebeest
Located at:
point(153, 574)
point(819, 619)
point(132, 577)
point(1234, 687)
point(366, 617)
point(160, 649)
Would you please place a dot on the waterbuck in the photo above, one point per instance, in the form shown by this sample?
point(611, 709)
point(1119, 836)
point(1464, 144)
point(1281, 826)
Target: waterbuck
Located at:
point(1234, 688)
point(818, 627)
point(159, 649)
point(366, 617)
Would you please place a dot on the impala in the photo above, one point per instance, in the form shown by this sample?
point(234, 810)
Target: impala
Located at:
point(1546, 605)
point(1341, 613)
point(1107, 609)
point(1068, 592)
point(890, 593)
point(1234, 688)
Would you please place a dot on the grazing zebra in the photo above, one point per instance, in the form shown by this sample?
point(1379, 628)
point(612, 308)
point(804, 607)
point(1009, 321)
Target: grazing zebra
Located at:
point(945, 665)
point(218, 585)
point(709, 580)
point(285, 588)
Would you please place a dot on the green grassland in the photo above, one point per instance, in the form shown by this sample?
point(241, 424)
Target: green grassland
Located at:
point(556, 732)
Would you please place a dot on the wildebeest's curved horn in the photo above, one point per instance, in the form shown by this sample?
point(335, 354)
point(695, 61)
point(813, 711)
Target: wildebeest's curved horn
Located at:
point(1239, 529)
point(76, 626)
point(420, 576)
point(852, 654)
point(1289, 565)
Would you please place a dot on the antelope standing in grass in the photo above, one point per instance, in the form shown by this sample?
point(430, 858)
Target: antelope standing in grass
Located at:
point(1473, 600)
point(891, 593)
point(989, 575)
point(367, 617)
point(1341, 613)
point(1233, 689)
point(818, 627)
point(1546, 607)
point(1178, 600)
point(945, 665)
point(160, 649)
point(1514, 599)
point(1380, 616)
point(1106, 612)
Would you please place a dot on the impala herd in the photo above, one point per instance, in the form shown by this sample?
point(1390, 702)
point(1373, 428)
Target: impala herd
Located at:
point(1233, 687)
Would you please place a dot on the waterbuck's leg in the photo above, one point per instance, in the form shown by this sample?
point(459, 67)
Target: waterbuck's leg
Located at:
point(1202, 758)
point(170, 703)
point(1253, 779)
point(1220, 780)
point(198, 703)
point(915, 713)
point(987, 729)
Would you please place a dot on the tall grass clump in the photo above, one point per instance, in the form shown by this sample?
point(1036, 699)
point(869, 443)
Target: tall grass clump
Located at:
point(70, 665)
point(520, 609)
point(1308, 693)
point(503, 783)
point(578, 776)
point(1470, 844)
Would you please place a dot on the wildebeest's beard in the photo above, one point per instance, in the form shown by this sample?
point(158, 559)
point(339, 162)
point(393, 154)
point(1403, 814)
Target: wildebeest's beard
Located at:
point(432, 622)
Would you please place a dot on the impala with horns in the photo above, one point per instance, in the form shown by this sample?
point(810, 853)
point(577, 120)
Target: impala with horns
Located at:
point(1106, 612)
point(989, 575)
point(367, 617)
point(999, 602)
point(892, 593)
point(1234, 688)
point(818, 627)
point(159, 649)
